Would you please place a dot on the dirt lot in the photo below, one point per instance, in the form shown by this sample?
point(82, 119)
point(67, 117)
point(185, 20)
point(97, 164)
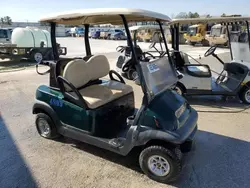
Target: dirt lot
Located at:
point(221, 157)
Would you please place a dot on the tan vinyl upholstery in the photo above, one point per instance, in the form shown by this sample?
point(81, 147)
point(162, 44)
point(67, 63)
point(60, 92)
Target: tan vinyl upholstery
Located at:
point(80, 72)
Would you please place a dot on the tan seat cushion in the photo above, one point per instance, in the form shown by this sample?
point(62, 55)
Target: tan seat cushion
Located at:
point(98, 95)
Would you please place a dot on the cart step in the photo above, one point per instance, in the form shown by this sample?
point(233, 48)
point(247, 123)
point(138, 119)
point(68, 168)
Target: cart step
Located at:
point(117, 142)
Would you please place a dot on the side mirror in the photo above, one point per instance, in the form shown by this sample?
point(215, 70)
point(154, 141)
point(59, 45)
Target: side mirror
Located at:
point(180, 76)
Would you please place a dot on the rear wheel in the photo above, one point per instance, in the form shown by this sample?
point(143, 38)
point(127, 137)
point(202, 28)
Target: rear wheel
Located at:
point(45, 126)
point(37, 56)
point(160, 164)
point(245, 95)
point(205, 42)
point(132, 74)
point(179, 89)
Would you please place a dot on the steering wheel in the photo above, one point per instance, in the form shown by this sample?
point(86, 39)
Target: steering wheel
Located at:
point(152, 45)
point(210, 51)
point(121, 48)
point(144, 55)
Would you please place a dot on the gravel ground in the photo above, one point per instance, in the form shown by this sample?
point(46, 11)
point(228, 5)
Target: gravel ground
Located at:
point(220, 157)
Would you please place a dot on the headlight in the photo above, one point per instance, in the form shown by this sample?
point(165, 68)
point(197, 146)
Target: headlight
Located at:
point(180, 110)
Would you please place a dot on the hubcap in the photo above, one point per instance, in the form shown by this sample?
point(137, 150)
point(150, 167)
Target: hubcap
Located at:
point(38, 57)
point(158, 165)
point(43, 127)
point(178, 90)
point(247, 96)
point(134, 75)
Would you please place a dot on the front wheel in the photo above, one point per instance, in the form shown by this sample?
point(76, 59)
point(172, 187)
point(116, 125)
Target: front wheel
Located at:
point(245, 95)
point(160, 164)
point(179, 89)
point(37, 56)
point(45, 126)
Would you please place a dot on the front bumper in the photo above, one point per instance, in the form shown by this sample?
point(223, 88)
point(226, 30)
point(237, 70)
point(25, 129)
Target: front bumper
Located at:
point(188, 130)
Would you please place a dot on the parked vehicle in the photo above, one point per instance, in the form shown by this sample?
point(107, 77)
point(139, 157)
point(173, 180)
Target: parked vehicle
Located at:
point(219, 34)
point(118, 36)
point(234, 80)
point(80, 32)
point(95, 35)
point(196, 33)
point(125, 65)
point(28, 42)
point(81, 104)
point(144, 32)
point(182, 32)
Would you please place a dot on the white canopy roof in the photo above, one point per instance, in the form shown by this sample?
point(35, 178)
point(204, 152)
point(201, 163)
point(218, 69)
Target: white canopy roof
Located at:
point(104, 16)
point(209, 20)
point(140, 27)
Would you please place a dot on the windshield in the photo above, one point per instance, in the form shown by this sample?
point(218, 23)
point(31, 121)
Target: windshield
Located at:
point(159, 75)
point(215, 32)
point(240, 45)
point(192, 31)
point(106, 43)
point(3, 33)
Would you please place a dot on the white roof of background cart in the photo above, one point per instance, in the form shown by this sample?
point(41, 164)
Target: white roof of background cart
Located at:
point(138, 27)
point(104, 16)
point(209, 20)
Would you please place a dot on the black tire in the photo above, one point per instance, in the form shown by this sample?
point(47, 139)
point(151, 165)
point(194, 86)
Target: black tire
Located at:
point(179, 89)
point(130, 74)
point(44, 118)
point(243, 95)
point(34, 55)
point(205, 42)
point(186, 146)
point(172, 158)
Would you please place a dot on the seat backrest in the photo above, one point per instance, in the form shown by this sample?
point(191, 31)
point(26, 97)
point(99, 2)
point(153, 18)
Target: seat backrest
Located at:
point(79, 72)
point(76, 72)
point(98, 66)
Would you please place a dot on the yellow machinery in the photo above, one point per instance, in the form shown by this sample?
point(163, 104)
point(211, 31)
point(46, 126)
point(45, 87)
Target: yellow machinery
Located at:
point(196, 34)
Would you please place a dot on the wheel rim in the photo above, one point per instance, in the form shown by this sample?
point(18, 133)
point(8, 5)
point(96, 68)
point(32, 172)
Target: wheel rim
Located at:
point(134, 75)
point(38, 57)
point(43, 127)
point(178, 90)
point(158, 165)
point(247, 96)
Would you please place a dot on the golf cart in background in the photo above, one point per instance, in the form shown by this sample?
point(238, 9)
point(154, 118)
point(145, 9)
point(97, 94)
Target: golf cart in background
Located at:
point(234, 80)
point(182, 31)
point(144, 33)
point(219, 36)
point(125, 65)
point(81, 103)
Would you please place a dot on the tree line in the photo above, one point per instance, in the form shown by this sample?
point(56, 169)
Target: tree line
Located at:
point(197, 15)
point(6, 20)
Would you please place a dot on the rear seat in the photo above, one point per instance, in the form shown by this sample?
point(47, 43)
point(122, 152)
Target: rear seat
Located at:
point(80, 72)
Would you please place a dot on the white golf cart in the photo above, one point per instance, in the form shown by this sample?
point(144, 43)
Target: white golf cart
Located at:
point(235, 77)
point(125, 65)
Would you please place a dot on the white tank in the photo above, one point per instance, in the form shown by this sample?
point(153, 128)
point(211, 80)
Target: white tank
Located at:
point(30, 37)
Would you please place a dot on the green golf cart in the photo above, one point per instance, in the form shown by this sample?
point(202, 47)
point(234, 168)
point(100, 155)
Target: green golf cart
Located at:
point(82, 104)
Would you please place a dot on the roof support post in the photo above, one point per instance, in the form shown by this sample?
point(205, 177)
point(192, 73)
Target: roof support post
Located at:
point(86, 40)
point(53, 40)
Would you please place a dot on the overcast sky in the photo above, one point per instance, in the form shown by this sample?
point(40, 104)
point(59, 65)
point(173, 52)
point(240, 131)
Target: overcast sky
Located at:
point(32, 10)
